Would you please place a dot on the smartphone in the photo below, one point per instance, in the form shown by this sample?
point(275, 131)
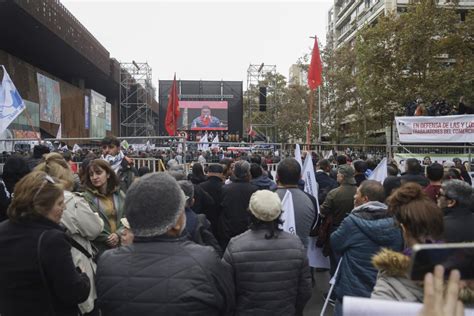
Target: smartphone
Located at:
point(453, 256)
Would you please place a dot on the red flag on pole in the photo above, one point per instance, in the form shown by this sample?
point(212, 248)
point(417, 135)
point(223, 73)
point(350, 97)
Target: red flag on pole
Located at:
point(172, 113)
point(315, 71)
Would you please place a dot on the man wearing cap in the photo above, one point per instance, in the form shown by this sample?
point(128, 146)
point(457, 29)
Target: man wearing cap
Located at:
point(339, 203)
point(162, 272)
point(270, 266)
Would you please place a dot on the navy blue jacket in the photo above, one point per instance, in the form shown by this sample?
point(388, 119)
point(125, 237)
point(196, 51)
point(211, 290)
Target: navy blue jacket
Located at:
point(325, 184)
point(362, 234)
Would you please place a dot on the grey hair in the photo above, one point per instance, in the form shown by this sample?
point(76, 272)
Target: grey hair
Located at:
point(241, 169)
point(459, 191)
point(178, 175)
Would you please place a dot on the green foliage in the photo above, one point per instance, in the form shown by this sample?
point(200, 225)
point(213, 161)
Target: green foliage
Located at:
point(426, 52)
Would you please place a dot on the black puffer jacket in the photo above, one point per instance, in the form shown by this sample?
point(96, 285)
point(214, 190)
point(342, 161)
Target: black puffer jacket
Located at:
point(271, 275)
point(163, 276)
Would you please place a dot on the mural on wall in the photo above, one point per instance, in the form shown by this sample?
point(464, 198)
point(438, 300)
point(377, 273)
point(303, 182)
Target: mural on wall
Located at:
point(49, 99)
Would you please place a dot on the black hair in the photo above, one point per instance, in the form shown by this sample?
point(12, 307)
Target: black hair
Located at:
point(143, 170)
point(215, 168)
point(256, 159)
point(413, 166)
point(255, 170)
point(341, 160)
point(435, 172)
point(289, 171)
point(360, 166)
point(273, 227)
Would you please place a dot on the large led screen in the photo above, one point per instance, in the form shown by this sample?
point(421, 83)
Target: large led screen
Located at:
point(203, 115)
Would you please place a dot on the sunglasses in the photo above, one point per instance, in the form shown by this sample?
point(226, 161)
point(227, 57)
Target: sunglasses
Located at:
point(46, 179)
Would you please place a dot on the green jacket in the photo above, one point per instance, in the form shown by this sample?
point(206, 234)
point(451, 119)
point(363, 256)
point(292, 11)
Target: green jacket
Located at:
point(92, 197)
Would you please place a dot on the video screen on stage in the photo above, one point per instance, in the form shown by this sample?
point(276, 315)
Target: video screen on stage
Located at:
point(203, 115)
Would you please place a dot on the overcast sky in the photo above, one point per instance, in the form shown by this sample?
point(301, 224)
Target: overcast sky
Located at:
point(210, 40)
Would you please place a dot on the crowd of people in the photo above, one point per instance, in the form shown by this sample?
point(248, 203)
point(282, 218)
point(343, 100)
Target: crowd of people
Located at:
point(437, 107)
point(108, 239)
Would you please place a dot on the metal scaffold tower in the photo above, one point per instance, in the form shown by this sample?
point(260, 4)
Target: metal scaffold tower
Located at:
point(261, 86)
point(136, 97)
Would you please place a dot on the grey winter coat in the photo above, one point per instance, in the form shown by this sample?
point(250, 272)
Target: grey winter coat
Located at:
point(271, 275)
point(392, 281)
point(361, 235)
point(83, 225)
point(164, 276)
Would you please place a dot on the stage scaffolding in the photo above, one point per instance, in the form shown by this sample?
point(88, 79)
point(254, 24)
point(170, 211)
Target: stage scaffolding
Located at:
point(264, 123)
point(136, 97)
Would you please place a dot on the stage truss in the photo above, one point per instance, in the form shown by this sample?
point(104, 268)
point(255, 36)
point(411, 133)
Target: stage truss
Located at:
point(136, 97)
point(264, 123)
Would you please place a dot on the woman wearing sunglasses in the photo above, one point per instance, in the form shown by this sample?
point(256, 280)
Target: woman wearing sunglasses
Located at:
point(81, 223)
point(102, 191)
point(38, 276)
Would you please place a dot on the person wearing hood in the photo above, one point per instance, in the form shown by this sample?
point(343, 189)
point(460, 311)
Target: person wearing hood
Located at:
point(367, 229)
point(261, 180)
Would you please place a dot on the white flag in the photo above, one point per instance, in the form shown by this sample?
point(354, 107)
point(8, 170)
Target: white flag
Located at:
point(288, 213)
point(76, 148)
point(380, 172)
point(11, 103)
point(215, 142)
point(204, 146)
point(298, 155)
point(310, 184)
point(59, 134)
point(64, 148)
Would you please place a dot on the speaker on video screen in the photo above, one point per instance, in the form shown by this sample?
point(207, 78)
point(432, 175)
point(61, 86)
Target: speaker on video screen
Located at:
point(262, 99)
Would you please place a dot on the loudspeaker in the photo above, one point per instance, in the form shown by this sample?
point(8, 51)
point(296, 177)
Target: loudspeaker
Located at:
point(262, 98)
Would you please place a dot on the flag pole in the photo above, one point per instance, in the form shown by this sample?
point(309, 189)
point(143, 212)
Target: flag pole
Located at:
point(319, 115)
point(310, 117)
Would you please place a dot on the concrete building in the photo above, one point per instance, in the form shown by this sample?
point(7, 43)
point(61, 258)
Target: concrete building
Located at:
point(347, 17)
point(297, 75)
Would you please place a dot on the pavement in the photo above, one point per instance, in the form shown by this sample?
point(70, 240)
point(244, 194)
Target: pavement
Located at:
point(315, 304)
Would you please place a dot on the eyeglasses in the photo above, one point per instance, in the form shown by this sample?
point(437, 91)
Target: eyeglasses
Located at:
point(443, 195)
point(46, 179)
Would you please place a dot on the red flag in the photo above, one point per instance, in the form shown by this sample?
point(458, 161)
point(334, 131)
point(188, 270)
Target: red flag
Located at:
point(315, 71)
point(172, 113)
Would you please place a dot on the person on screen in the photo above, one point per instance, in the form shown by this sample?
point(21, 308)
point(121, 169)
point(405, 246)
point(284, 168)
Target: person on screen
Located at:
point(205, 119)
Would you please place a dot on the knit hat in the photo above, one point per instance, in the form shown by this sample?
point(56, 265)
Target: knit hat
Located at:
point(265, 205)
point(348, 172)
point(153, 204)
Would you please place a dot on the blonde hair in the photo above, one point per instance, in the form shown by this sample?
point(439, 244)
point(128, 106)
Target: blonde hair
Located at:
point(56, 166)
point(34, 196)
